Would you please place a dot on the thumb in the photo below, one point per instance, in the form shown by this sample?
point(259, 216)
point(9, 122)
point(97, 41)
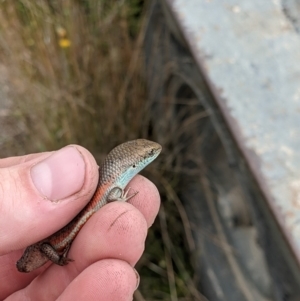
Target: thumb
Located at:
point(40, 193)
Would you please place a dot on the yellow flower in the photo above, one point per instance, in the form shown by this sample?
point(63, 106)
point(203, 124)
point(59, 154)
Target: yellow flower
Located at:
point(64, 43)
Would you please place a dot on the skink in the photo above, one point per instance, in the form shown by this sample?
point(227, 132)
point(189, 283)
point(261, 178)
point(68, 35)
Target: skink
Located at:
point(118, 168)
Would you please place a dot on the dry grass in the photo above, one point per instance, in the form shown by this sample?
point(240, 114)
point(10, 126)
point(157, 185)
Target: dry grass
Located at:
point(67, 62)
point(71, 72)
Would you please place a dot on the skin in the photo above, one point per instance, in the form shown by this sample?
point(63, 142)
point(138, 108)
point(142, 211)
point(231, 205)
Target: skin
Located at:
point(104, 252)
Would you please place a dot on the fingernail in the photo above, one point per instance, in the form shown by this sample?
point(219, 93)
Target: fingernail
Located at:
point(137, 278)
point(60, 175)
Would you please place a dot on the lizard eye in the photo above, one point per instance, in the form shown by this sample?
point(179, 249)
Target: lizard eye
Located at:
point(133, 165)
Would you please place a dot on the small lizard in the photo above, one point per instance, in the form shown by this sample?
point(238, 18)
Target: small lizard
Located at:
point(118, 168)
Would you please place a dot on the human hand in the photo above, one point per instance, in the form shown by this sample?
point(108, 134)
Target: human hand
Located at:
point(39, 194)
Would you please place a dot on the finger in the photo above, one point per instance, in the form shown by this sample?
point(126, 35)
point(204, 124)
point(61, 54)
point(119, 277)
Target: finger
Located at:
point(117, 230)
point(41, 195)
point(108, 279)
point(11, 161)
point(147, 201)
